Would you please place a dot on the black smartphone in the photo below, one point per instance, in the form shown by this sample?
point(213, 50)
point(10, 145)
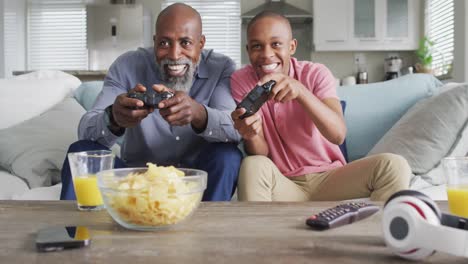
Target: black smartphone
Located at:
point(62, 237)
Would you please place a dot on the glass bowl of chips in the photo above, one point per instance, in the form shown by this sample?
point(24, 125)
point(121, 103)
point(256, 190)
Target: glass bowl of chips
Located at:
point(151, 198)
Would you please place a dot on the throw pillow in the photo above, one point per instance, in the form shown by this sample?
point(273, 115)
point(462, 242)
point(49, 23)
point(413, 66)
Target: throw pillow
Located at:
point(35, 149)
point(29, 95)
point(11, 186)
point(429, 131)
point(372, 109)
point(71, 81)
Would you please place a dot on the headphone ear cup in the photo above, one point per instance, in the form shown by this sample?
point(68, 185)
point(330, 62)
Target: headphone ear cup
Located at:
point(421, 196)
point(401, 223)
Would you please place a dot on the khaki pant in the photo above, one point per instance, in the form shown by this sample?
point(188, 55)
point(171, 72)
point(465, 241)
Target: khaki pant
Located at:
point(377, 177)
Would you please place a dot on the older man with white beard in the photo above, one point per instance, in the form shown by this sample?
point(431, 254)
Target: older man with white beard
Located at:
point(192, 129)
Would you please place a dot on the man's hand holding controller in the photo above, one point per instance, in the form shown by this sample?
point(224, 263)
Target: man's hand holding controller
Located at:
point(245, 117)
point(176, 107)
point(128, 109)
point(256, 98)
point(151, 100)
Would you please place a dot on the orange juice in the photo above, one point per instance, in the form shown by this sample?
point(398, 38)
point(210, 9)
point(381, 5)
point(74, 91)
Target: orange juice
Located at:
point(458, 199)
point(87, 191)
point(82, 233)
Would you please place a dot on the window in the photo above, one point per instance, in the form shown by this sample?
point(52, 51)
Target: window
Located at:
point(221, 25)
point(11, 41)
point(440, 29)
point(56, 35)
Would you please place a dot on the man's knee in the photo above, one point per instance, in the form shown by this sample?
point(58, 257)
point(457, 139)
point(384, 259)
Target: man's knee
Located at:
point(397, 168)
point(221, 160)
point(223, 153)
point(256, 166)
point(85, 145)
point(256, 178)
point(256, 162)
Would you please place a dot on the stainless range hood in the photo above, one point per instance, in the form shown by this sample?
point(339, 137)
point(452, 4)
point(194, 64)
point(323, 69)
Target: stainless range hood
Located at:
point(294, 14)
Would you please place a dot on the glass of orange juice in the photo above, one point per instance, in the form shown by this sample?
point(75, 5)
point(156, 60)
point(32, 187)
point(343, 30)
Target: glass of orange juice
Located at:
point(456, 171)
point(84, 166)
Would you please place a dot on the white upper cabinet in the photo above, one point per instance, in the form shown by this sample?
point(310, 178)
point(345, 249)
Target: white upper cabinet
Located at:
point(366, 24)
point(330, 25)
point(365, 19)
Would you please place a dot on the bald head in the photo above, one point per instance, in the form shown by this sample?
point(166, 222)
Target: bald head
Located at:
point(272, 15)
point(178, 44)
point(179, 10)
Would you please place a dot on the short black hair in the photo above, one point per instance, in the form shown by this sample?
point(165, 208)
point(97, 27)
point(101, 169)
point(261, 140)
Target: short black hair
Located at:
point(271, 14)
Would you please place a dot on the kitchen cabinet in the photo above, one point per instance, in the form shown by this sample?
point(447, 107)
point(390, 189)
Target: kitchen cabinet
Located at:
point(360, 25)
point(364, 24)
point(330, 25)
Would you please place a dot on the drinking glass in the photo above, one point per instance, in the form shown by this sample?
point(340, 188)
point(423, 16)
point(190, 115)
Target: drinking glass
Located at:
point(84, 166)
point(456, 173)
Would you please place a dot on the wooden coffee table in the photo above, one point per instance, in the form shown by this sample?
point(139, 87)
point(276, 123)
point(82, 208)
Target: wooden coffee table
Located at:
point(217, 233)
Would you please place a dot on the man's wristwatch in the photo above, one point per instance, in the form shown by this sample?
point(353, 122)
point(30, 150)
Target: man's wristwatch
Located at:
point(111, 124)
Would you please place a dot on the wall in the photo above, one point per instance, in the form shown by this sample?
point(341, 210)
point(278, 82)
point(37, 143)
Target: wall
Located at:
point(153, 7)
point(460, 62)
point(2, 40)
point(102, 49)
point(342, 63)
point(14, 36)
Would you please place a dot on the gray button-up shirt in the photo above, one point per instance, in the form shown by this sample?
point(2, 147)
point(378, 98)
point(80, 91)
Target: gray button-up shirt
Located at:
point(154, 140)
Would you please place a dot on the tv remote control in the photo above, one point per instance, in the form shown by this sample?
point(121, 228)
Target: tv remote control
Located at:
point(342, 214)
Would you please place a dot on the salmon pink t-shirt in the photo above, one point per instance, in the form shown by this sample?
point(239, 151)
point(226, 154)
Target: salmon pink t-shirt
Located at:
point(295, 144)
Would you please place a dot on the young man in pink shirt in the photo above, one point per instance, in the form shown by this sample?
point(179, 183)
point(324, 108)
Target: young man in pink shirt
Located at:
point(293, 141)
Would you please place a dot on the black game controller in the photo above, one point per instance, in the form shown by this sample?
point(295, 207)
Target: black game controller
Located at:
point(256, 98)
point(150, 99)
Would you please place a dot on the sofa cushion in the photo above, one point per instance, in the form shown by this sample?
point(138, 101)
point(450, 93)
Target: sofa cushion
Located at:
point(343, 145)
point(372, 109)
point(35, 149)
point(87, 93)
point(432, 129)
point(11, 186)
point(29, 95)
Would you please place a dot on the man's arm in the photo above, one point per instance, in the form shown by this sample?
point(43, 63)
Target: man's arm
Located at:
point(93, 123)
point(325, 113)
point(219, 125)
point(251, 130)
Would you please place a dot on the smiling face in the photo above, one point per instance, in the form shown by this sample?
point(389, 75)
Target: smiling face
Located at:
point(178, 43)
point(270, 45)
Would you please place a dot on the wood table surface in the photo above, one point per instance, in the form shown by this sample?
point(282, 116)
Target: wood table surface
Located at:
point(218, 232)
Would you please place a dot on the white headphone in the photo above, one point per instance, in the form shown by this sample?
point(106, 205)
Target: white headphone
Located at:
point(414, 227)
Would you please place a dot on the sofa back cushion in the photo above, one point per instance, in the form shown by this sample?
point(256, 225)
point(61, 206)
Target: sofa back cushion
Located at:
point(372, 109)
point(87, 93)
